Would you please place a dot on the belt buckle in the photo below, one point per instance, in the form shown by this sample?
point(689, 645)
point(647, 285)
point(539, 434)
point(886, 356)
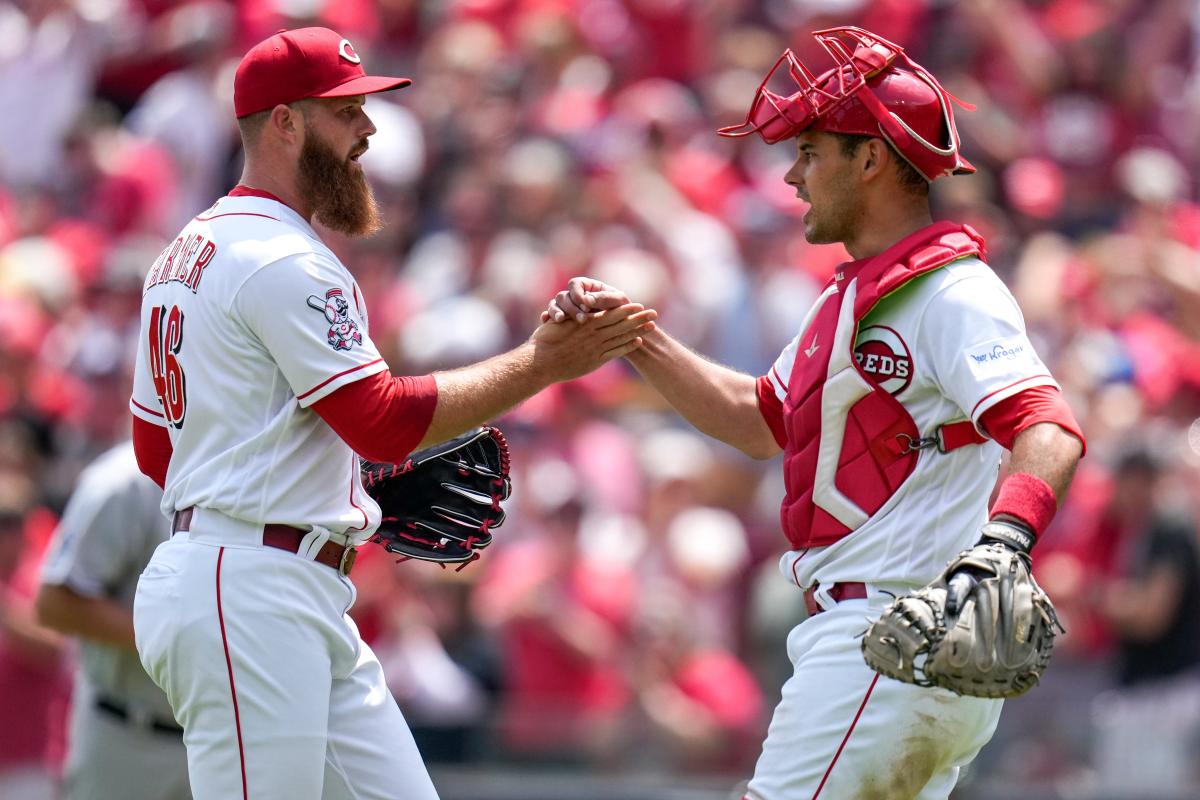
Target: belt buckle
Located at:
point(346, 563)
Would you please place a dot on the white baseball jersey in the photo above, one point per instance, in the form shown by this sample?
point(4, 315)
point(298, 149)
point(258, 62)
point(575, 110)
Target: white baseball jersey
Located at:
point(248, 318)
point(949, 345)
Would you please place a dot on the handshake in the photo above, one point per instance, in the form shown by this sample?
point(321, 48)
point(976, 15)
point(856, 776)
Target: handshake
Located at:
point(586, 325)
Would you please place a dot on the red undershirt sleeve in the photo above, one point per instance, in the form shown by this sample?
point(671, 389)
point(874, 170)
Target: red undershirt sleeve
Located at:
point(152, 448)
point(382, 417)
point(771, 409)
point(1005, 420)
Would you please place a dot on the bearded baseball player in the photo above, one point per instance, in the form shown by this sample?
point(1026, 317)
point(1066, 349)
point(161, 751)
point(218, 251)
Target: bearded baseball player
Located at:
point(256, 385)
point(909, 374)
point(122, 728)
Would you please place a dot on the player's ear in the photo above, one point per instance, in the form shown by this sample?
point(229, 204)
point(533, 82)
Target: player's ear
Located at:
point(287, 122)
point(875, 157)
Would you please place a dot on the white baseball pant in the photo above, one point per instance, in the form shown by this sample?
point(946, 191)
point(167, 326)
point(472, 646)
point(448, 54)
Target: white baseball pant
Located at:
point(842, 731)
point(278, 695)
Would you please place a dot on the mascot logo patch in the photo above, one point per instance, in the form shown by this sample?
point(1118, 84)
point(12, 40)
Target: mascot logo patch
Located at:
point(884, 357)
point(343, 331)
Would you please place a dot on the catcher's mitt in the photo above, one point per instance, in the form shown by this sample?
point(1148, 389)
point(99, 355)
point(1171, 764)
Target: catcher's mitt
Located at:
point(442, 503)
point(998, 642)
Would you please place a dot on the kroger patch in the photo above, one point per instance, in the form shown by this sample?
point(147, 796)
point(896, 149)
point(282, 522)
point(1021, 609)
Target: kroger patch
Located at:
point(1001, 356)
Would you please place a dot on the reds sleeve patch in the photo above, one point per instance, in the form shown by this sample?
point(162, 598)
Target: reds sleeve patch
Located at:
point(343, 331)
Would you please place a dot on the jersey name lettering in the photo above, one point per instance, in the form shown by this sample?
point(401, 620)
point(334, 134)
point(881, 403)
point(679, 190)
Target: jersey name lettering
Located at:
point(183, 261)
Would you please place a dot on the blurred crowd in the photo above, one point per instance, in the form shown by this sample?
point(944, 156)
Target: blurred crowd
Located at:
point(630, 611)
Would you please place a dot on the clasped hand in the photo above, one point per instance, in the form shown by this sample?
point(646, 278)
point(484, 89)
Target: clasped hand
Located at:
point(594, 329)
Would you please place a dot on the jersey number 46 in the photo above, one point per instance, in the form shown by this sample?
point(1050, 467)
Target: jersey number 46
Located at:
point(166, 337)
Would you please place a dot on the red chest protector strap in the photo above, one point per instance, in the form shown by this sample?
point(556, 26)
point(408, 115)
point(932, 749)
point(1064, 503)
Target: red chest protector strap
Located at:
point(946, 438)
point(850, 443)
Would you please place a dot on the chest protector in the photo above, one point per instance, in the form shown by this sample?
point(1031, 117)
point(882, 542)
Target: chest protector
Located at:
point(850, 443)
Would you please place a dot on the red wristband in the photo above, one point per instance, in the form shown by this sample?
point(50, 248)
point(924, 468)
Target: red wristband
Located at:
point(1028, 498)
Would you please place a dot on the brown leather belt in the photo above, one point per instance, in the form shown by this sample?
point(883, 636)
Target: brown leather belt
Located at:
point(839, 592)
point(285, 537)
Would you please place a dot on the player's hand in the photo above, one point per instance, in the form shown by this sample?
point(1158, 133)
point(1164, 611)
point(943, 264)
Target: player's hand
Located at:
point(1005, 531)
point(583, 296)
point(959, 589)
point(572, 349)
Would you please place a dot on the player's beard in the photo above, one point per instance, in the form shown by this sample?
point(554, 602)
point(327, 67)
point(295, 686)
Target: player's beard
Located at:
point(336, 189)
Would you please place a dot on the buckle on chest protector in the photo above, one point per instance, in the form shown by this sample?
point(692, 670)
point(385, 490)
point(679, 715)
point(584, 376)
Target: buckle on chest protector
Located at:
point(913, 444)
point(948, 437)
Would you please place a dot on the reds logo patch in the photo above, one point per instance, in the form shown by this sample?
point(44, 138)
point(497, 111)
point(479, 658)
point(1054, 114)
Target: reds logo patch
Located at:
point(882, 354)
point(343, 331)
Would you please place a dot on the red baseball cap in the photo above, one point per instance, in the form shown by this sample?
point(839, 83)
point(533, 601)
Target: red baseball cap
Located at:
point(307, 62)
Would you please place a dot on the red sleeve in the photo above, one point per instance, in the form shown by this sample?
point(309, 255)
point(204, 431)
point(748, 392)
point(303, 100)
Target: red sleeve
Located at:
point(382, 417)
point(1005, 420)
point(152, 448)
point(772, 410)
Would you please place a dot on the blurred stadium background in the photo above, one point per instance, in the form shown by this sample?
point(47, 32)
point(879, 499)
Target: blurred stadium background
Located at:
point(624, 636)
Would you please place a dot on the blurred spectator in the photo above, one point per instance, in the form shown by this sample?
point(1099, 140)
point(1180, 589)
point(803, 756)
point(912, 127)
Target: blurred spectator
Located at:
point(439, 665)
point(563, 622)
point(1153, 606)
point(33, 681)
point(702, 702)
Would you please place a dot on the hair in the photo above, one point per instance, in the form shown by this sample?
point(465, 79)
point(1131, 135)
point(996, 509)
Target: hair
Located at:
point(910, 179)
point(251, 126)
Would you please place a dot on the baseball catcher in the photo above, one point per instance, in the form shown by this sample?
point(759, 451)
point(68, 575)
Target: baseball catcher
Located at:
point(982, 628)
point(442, 503)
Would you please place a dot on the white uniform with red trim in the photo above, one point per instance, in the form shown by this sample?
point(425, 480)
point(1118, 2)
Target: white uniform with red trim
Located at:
point(948, 345)
point(248, 318)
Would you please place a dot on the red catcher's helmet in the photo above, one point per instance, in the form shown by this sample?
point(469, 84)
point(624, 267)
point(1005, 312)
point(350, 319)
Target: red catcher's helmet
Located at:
point(874, 90)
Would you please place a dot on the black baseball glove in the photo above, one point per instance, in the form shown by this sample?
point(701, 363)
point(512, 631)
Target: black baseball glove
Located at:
point(442, 503)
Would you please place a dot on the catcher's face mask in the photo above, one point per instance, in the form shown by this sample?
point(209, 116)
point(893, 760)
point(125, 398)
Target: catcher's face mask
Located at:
point(874, 90)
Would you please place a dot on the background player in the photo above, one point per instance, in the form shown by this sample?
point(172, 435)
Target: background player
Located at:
point(257, 383)
point(124, 741)
point(890, 407)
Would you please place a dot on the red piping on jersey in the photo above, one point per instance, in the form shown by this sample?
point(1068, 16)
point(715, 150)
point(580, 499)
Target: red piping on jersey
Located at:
point(237, 719)
point(149, 411)
point(236, 214)
point(778, 380)
point(846, 738)
point(333, 378)
point(795, 563)
point(985, 398)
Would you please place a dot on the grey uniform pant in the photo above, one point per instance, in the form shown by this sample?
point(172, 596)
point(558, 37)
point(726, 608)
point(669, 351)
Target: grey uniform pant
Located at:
point(112, 759)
